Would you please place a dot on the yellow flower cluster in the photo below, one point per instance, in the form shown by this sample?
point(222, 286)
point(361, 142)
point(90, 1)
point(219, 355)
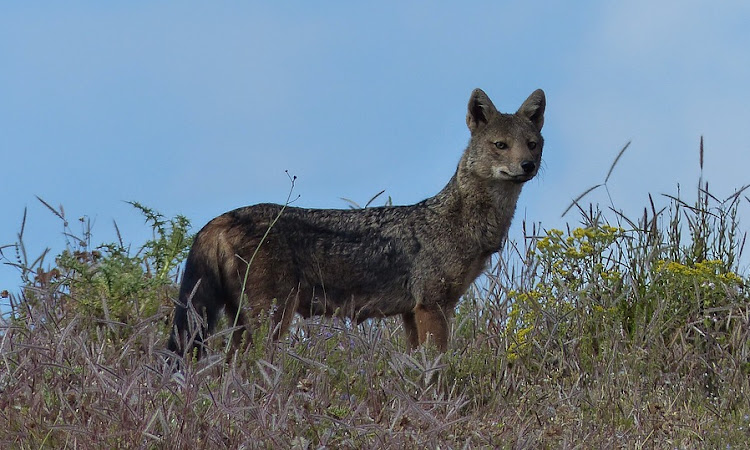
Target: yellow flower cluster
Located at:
point(581, 243)
point(710, 270)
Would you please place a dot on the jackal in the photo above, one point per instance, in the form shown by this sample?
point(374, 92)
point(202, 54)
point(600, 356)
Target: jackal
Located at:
point(414, 260)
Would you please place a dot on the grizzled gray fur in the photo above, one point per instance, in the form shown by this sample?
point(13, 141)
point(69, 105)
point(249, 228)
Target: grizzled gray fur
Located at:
point(414, 260)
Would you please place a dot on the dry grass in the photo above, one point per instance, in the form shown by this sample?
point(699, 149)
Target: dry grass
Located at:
point(618, 334)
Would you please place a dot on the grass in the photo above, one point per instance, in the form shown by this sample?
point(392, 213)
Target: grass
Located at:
point(616, 333)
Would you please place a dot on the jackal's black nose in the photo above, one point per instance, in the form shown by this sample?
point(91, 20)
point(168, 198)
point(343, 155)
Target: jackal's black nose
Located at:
point(528, 166)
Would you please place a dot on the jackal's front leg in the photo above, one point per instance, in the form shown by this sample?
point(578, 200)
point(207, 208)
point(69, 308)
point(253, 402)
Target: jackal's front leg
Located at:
point(410, 328)
point(432, 326)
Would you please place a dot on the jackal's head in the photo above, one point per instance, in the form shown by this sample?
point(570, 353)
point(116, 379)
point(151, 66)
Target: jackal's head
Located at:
point(505, 147)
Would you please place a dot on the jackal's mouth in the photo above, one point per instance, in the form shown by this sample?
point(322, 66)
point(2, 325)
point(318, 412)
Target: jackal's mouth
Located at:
point(517, 178)
point(507, 173)
point(520, 179)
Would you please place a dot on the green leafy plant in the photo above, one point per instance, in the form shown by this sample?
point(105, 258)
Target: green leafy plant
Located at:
point(108, 282)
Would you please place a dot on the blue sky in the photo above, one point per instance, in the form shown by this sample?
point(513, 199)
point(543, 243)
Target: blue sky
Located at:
point(196, 108)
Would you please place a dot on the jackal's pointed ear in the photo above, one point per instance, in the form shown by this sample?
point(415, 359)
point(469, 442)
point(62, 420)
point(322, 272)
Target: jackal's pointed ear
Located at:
point(533, 108)
point(480, 111)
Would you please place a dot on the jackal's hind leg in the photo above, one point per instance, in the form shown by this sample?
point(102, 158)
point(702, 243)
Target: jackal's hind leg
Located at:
point(242, 335)
point(284, 313)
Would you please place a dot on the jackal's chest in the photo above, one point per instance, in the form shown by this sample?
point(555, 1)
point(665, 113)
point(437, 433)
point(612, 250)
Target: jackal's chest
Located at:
point(446, 275)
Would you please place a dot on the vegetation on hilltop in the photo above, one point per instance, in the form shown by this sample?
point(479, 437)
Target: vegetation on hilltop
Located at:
point(619, 332)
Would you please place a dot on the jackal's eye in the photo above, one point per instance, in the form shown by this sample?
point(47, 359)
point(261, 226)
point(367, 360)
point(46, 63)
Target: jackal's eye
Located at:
point(532, 145)
point(501, 145)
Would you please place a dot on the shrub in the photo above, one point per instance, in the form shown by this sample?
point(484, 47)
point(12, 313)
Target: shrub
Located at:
point(108, 283)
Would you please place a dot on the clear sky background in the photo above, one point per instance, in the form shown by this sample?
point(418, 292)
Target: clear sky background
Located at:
point(196, 108)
